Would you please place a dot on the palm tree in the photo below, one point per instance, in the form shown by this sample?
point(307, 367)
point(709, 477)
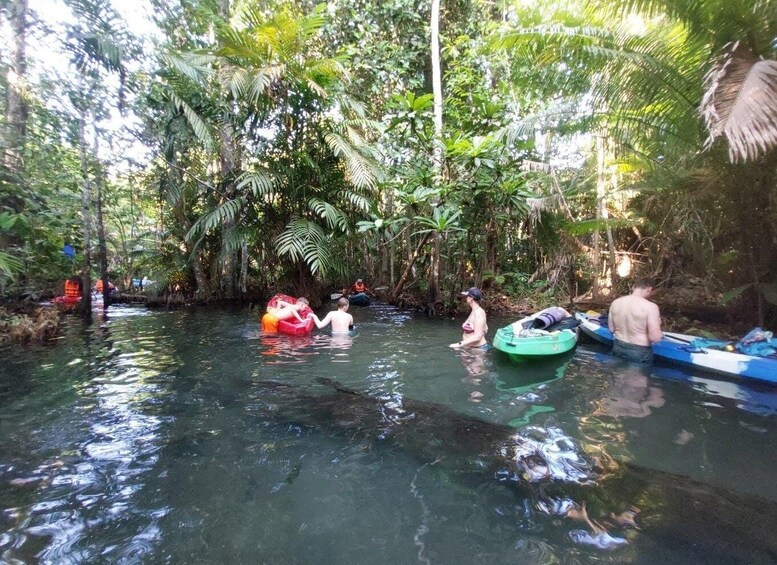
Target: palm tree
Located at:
point(637, 70)
point(98, 43)
point(306, 182)
point(740, 102)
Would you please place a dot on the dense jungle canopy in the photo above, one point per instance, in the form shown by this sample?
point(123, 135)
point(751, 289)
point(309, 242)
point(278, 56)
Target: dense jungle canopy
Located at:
point(228, 149)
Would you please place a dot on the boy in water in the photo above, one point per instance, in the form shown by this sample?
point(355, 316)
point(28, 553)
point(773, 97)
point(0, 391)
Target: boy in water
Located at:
point(282, 311)
point(341, 320)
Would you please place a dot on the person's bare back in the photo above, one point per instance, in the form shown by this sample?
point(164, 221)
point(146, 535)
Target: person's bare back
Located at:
point(341, 320)
point(635, 319)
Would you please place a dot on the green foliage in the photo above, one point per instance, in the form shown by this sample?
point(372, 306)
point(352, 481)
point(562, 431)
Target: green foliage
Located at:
point(296, 141)
point(305, 241)
point(9, 266)
point(767, 290)
point(443, 220)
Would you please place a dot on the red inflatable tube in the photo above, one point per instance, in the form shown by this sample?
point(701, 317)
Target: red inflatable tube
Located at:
point(292, 326)
point(66, 299)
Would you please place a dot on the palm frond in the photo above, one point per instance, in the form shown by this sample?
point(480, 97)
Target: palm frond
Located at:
point(356, 200)
point(740, 103)
point(258, 183)
point(334, 218)
point(226, 212)
point(305, 241)
point(9, 265)
point(232, 241)
point(198, 125)
point(361, 172)
point(194, 66)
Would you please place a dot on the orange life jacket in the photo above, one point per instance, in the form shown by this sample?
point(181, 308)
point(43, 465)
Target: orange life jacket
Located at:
point(71, 288)
point(358, 287)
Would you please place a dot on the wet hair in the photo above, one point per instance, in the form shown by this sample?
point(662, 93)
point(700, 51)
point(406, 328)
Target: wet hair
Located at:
point(643, 282)
point(303, 300)
point(343, 302)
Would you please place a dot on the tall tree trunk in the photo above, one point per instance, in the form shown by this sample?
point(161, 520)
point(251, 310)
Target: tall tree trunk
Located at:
point(433, 283)
point(244, 268)
point(597, 240)
point(102, 248)
point(601, 206)
point(491, 245)
point(85, 308)
point(14, 131)
point(16, 110)
point(228, 160)
point(179, 212)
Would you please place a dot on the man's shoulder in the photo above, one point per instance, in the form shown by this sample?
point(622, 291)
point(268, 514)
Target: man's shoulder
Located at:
point(616, 302)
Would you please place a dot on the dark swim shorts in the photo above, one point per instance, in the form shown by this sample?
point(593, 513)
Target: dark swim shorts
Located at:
point(630, 352)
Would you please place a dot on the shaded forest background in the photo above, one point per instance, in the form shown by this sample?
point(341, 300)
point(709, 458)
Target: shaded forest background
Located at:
point(548, 152)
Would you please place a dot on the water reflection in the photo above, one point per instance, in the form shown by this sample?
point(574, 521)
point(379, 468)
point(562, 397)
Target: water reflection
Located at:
point(104, 445)
point(630, 394)
point(279, 349)
point(528, 383)
point(155, 438)
point(474, 361)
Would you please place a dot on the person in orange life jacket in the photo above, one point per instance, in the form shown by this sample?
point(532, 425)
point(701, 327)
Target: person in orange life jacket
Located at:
point(74, 286)
point(98, 287)
point(359, 286)
point(475, 328)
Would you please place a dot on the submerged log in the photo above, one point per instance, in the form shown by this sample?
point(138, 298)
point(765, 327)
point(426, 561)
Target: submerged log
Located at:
point(551, 475)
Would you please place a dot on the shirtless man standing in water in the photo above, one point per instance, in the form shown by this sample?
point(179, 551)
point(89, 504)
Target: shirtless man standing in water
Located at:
point(636, 323)
point(341, 320)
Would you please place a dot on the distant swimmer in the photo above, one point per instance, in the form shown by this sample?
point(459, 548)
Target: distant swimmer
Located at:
point(636, 323)
point(359, 287)
point(341, 320)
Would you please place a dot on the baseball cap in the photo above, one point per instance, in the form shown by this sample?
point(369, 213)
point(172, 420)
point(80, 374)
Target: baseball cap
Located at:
point(358, 280)
point(474, 292)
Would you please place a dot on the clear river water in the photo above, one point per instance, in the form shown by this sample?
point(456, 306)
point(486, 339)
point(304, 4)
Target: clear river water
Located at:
point(190, 437)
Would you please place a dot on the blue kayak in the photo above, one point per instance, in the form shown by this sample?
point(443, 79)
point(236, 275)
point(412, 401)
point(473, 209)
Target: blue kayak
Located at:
point(359, 299)
point(681, 349)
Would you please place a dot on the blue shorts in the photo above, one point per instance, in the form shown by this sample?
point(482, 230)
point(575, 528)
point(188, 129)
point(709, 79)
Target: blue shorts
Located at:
point(634, 353)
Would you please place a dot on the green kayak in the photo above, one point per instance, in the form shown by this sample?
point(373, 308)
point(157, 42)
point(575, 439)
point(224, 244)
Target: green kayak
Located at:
point(527, 339)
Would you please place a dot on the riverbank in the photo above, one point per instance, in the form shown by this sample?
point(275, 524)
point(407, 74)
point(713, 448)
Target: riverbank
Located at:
point(684, 311)
point(29, 323)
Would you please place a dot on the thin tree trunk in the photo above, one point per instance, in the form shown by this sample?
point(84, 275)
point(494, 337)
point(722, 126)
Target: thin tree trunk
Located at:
point(600, 190)
point(244, 268)
point(14, 131)
point(406, 274)
point(434, 272)
point(102, 248)
point(86, 196)
point(16, 110)
point(180, 215)
point(601, 185)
